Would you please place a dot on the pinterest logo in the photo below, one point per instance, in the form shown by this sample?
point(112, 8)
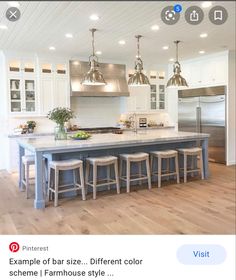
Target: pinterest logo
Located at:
point(14, 247)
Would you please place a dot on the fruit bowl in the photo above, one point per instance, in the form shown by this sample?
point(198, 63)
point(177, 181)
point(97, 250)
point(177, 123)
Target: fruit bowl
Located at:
point(82, 135)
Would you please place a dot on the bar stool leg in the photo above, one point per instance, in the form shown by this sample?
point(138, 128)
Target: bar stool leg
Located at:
point(87, 171)
point(168, 167)
point(81, 174)
point(120, 169)
point(94, 181)
point(201, 165)
point(177, 168)
point(49, 183)
point(192, 165)
point(74, 178)
point(151, 162)
point(27, 181)
point(22, 175)
point(117, 176)
point(128, 176)
point(159, 172)
point(185, 168)
point(56, 182)
point(140, 172)
point(108, 176)
point(148, 174)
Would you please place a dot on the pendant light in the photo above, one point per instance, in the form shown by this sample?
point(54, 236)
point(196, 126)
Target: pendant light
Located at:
point(93, 77)
point(177, 80)
point(138, 78)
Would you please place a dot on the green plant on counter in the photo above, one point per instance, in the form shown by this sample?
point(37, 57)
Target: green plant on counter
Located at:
point(61, 115)
point(31, 124)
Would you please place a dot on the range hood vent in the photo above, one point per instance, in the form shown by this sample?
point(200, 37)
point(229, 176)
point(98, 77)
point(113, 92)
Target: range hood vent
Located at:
point(114, 75)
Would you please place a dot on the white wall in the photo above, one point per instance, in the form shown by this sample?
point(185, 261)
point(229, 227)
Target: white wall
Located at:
point(231, 107)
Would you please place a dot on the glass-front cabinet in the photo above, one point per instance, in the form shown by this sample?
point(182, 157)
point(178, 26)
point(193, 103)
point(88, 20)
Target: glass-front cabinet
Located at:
point(157, 90)
point(157, 97)
point(30, 97)
point(22, 95)
point(22, 87)
point(15, 95)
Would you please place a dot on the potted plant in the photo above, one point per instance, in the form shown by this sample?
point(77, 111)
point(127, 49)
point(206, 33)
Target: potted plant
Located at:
point(60, 115)
point(31, 126)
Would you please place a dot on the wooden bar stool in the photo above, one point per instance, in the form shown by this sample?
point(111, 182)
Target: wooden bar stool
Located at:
point(27, 161)
point(135, 158)
point(160, 155)
point(193, 152)
point(76, 166)
point(107, 161)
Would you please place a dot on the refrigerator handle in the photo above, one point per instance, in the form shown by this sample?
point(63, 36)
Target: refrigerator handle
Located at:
point(198, 118)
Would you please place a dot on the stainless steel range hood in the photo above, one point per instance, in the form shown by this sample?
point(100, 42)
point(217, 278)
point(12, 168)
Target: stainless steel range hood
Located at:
point(114, 75)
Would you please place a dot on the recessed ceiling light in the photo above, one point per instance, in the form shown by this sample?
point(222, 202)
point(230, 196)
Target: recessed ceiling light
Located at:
point(14, 4)
point(52, 48)
point(155, 27)
point(94, 17)
point(202, 52)
point(171, 59)
point(122, 42)
point(165, 47)
point(69, 35)
point(3, 27)
point(98, 52)
point(206, 4)
point(203, 35)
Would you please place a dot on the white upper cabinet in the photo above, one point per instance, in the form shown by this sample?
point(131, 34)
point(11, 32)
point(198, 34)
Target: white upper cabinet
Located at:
point(148, 99)
point(138, 101)
point(54, 86)
point(208, 71)
point(22, 86)
point(36, 86)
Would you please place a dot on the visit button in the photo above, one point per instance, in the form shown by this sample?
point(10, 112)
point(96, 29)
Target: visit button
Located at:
point(200, 254)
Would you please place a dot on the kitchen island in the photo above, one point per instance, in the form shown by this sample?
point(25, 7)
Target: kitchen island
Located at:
point(105, 144)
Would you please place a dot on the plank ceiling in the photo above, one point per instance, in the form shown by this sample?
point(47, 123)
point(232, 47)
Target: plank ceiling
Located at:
point(44, 24)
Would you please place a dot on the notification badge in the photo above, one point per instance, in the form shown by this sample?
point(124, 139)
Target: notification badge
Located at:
point(14, 247)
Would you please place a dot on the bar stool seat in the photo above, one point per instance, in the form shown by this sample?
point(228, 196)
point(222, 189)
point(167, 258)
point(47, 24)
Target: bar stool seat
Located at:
point(193, 152)
point(72, 163)
point(134, 157)
point(137, 158)
point(190, 151)
point(108, 181)
point(102, 160)
point(75, 165)
point(28, 159)
point(160, 155)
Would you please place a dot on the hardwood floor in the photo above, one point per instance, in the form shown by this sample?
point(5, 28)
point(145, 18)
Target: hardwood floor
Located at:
point(197, 207)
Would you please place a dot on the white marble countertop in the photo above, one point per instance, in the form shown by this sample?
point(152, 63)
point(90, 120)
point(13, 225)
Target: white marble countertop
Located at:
point(43, 134)
point(109, 140)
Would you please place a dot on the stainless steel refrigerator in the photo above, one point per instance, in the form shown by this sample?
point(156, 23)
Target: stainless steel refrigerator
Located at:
point(203, 110)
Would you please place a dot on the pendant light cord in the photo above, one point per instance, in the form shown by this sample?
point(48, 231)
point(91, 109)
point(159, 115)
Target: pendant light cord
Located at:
point(177, 50)
point(93, 47)
point(138, 45)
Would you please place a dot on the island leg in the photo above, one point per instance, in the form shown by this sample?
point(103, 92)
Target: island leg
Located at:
point(39, 202)
point(21, 154)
